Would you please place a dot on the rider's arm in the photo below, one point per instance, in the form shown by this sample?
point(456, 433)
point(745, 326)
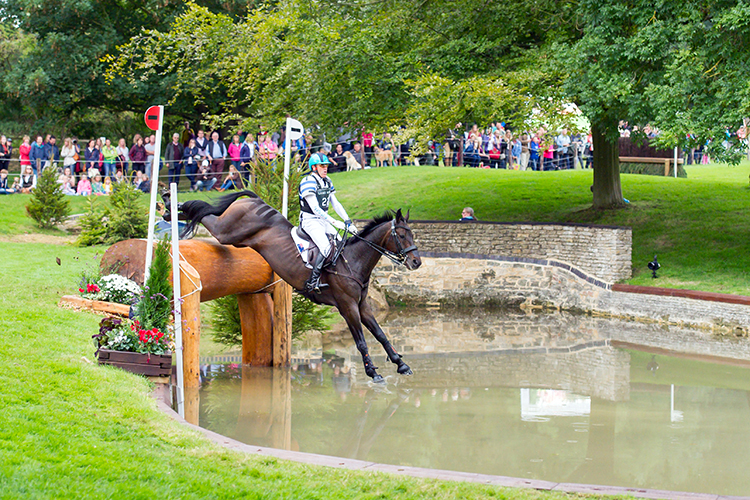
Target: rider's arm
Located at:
point(312, 201)
point(338, 207)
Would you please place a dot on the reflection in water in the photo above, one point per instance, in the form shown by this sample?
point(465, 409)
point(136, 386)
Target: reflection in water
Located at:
point(564, 407)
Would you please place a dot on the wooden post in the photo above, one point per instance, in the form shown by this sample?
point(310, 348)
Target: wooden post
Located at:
point(666, 167)
point(190, 284)
point(256, 315)
point(282, 324)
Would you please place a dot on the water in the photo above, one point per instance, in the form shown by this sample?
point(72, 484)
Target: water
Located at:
point(554, 397)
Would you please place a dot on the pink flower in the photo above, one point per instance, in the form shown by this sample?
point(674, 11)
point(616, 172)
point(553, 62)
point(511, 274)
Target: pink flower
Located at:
point(80, 290)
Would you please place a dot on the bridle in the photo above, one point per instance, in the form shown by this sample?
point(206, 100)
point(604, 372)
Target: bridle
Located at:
point(398, 257)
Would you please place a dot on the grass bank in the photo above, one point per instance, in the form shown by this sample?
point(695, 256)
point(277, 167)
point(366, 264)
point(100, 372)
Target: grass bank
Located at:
point(72, 429)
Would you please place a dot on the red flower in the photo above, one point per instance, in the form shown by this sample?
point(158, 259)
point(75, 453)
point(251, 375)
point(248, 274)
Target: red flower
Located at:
point(80, 290)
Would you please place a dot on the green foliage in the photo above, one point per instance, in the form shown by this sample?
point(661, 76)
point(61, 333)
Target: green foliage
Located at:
point(125, 218)
point(48, 205)
point(226, 326)
point(268, 183)
point(154, 310)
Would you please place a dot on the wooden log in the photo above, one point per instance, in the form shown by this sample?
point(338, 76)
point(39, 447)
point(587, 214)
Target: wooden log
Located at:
point(190, 283)
point(111, 308)
point(282, 324)
point(256, 315)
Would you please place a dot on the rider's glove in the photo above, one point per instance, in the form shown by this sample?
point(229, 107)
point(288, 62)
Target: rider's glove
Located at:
point(338, 224)
point(351, 227)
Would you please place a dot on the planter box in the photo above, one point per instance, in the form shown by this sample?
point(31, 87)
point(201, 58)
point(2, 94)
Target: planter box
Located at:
point(142, 364)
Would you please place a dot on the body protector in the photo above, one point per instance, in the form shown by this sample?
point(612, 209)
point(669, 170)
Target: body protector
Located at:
point(316, 195)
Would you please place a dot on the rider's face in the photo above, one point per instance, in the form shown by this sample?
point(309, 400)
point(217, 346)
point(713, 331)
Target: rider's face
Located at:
point(322, 170)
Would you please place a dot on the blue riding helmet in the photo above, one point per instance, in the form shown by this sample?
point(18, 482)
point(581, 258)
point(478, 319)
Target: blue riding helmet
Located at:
point(318, 159)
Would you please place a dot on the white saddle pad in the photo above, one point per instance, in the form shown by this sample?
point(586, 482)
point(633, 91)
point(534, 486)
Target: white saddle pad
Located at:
point(303, 247)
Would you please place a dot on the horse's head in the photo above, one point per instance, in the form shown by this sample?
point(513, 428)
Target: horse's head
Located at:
point(401, 241)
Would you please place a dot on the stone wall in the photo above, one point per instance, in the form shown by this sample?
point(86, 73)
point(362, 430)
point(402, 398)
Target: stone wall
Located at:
point(601, 251)
point(468, 280)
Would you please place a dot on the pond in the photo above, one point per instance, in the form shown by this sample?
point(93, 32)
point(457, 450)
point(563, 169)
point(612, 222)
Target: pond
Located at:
point(555, 397)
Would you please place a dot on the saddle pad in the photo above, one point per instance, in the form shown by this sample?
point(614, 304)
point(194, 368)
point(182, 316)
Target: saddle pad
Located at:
point(303, 247)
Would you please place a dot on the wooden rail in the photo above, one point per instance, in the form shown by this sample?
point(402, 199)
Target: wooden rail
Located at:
point(665, 161)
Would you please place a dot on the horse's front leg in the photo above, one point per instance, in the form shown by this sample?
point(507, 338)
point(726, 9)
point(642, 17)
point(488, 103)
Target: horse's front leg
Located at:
point(368, 319)
point(350, 312)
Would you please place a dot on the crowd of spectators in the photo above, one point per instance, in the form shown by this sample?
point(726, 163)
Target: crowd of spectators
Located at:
point(199, 159)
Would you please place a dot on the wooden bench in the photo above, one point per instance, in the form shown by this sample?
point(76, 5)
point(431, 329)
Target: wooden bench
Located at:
point(666, 161)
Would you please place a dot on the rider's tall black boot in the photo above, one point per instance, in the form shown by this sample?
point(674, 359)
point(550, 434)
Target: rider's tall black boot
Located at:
point(313, 282)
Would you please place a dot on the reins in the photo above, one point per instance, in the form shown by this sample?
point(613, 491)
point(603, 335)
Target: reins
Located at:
point(398, 258)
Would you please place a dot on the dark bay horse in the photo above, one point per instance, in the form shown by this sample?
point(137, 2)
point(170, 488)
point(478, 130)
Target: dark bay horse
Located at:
point(250, 222)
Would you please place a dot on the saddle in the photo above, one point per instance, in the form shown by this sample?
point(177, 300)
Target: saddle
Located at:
point(307, 248)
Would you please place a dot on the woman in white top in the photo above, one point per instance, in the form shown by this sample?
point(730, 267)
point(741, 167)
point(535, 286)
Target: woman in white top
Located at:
point(124, 153)
point(68, 153)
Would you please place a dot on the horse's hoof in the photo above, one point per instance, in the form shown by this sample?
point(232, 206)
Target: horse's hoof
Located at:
point(404, 369)
point(378, 379)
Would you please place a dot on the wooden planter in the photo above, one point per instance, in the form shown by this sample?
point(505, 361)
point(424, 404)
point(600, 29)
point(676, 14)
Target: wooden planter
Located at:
point(153, 365)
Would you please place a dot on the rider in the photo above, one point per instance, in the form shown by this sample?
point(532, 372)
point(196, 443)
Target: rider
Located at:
point(316, 194)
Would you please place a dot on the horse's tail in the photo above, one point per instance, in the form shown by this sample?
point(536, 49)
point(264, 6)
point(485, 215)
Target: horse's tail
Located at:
point(195, 210)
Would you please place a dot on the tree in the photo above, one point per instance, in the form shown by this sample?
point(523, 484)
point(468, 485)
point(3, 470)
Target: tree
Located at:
point(48, 205)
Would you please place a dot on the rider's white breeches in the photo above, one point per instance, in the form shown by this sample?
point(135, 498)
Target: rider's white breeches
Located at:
point(317, 229)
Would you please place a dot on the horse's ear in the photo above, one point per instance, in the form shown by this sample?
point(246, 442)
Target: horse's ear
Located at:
point(407, 215)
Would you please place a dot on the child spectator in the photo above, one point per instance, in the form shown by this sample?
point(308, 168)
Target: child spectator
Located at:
point(67, 183)
point(145, 184)
point(107, 185)
point(28, 180)
point(84, 186)
point(4, 189)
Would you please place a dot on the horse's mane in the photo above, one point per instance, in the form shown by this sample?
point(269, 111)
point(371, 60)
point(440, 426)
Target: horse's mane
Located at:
point(386, 216)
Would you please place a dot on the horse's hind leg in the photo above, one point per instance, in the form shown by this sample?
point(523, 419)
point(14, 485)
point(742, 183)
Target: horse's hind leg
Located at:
point(351, 315)
point(368, 319)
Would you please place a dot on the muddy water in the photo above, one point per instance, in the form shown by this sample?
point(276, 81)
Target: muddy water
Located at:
point(554, 397)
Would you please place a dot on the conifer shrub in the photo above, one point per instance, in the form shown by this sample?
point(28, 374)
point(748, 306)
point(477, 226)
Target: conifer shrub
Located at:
point(155, 307)
point(48, 205)
point(124, 219)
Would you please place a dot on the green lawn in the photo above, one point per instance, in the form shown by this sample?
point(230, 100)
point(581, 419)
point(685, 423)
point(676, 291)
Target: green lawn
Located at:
point(70, 429)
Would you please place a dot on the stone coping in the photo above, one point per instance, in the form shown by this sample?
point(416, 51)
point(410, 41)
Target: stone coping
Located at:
point(443, 475)
point(495, 223)
point(688, 294)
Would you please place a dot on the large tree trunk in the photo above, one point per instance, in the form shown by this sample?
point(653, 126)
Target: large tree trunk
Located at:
point(607, 189)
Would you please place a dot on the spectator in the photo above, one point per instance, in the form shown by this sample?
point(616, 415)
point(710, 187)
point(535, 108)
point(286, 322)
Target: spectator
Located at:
point(110, 156)
point(471, 153)
point(4, 189)
point(268, 148)
point(467, 215)
point(515, 153)
point(150, 146)
point(299, 148)
point(37, 156)
point(138, 155)
point(145, 184)
point(359, 155)
point(69, 153)
point(534, 153)
point(97, 187)
point(107, 185)
point(187, 134)
point(190, 159)
point(205, 179)
point(99, 146)
point(137, 179)
point(247, 153)
point(339, 160)
point(367, 143)
point(119, 177)
point(173, 159)
point(202, 144)
point(5, 152)
point(562, 141)
point(588, 150)
point(123, 156)
point(67, 181)
point(51, 152)
point(91, 154)
point(84, 186)
point(24, 150)
point(525, 152)
point(234, 152)
point(28, 180)
point(232, 181)
point(216, 152)
point(548, 158)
